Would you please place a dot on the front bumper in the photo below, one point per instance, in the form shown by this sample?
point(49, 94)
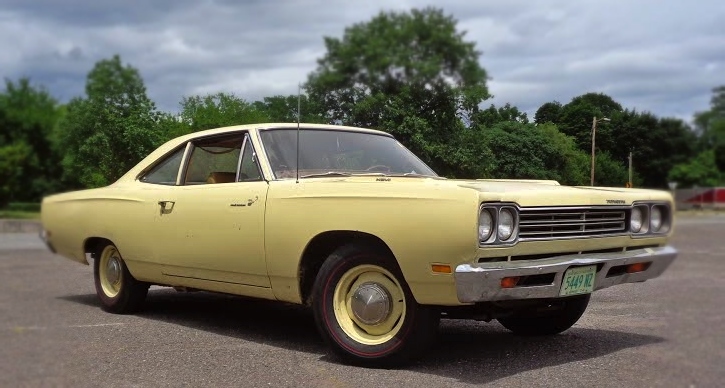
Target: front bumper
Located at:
point(481, 282)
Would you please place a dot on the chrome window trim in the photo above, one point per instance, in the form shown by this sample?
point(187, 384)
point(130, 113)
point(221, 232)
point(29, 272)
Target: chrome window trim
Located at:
point(184, 161)
point(241, 155)
point(246, 140)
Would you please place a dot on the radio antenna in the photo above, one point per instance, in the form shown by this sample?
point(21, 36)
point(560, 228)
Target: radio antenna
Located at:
point(298, 133)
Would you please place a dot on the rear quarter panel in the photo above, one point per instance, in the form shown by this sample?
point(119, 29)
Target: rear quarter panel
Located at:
point(118, 213)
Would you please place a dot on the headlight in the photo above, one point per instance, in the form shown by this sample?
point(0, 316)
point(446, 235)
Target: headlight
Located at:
point(656, 219)
point(485, 225)
point(650, 218)
point(636, 220)
point(498, 224)
point(505, 224)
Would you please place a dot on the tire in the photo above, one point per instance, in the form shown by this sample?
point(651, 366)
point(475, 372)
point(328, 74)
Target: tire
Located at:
point(117, 290)
point(554, 318)
point(386, 337)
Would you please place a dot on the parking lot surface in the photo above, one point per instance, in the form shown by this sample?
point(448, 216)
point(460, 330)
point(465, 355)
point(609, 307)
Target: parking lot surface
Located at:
point(669, 331)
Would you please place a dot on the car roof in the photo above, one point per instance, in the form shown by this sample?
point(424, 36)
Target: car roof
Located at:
point(173, 143)
point(272, 126)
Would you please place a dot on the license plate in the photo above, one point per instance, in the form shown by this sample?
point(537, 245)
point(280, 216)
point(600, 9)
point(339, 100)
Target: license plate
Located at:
point(579, 280)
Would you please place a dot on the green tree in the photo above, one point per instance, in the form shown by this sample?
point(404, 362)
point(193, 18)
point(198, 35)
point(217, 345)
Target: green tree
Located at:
point(573, 166)
point(493, 115)
point(27, 117)
point(576, 119)
point(411, 73)
point(550, 112)
point(701, 170)
point(283, 109)
point(13, 157)
point(710, 124)
point(171, 125)
point(219, 110)
point(111, 129)
point(657, 144)
point(525, 151)
point(611, 172)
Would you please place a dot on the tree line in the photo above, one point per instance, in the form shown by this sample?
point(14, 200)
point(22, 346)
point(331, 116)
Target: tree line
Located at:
point(411, 73)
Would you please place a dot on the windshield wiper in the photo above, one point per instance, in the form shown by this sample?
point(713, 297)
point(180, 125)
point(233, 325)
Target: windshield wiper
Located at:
point(329, 173)
point(416, 175)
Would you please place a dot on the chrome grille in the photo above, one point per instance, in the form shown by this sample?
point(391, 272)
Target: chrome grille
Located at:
point(566, 222)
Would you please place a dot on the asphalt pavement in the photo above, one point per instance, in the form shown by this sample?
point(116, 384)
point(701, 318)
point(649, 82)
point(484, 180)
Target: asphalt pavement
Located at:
point(667, 332)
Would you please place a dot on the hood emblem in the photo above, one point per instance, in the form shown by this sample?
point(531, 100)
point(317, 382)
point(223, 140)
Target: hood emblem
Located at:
point(616, 201)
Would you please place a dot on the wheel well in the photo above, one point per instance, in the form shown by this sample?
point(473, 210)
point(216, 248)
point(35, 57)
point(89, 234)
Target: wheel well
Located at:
point(321, 246)
point(92, 244)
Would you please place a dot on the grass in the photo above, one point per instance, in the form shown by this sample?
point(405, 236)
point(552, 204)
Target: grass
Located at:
point(18, 214)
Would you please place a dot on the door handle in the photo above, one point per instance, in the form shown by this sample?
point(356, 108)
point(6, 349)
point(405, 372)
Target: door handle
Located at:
point(164, 205)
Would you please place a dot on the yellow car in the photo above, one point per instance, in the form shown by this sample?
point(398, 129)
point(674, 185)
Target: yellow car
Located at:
point(352, 224)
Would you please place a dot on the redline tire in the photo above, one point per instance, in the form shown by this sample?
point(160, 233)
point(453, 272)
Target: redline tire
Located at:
point(405, 332)
point(117, 290)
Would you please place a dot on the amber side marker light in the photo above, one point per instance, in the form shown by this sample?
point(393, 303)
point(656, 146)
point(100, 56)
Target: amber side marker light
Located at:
point(638, 267)
point(509, 282)
point(441, 268)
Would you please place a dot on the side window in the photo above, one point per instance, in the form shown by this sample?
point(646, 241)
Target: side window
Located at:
point(248, 165)
point(166, 171)
point(214, 160)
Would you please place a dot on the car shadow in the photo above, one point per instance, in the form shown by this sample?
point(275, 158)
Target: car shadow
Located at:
point(468, 351)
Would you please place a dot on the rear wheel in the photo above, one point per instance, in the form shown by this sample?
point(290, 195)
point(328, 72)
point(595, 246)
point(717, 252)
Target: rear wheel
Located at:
point(117, 290)
point(365, 311)
point(549, 319)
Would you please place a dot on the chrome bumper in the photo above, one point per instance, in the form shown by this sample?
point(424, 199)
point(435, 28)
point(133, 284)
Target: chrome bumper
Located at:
point(481, 282)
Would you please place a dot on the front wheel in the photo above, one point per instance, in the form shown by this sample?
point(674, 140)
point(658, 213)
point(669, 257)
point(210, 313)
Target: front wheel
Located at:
point(548, 319)
point(365, 311)
point(117, 290)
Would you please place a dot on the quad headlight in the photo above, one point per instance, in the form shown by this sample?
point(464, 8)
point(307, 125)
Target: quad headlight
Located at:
point(650, 218)
point(655, 218)
point(506, 224)
point(636, 219)
point(497, 224)
point(485, 225)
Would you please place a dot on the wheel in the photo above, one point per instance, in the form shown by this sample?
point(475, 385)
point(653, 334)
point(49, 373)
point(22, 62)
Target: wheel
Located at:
point(117, 290)
point(365, 311)
point(552, 318)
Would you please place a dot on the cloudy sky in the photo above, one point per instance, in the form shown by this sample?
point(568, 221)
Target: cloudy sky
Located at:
point(658, 56)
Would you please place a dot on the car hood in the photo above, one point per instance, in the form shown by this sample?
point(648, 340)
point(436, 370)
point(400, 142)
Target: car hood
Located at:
point(522, 192)
point(550, 193)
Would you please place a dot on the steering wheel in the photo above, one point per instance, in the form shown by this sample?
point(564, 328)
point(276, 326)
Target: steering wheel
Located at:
point(378, 167)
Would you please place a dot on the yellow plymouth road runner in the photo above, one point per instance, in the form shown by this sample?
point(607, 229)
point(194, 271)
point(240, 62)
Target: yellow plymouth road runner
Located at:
point(352, 224)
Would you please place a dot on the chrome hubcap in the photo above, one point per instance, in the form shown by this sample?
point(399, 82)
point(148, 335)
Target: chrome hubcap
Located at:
point(113, 270)
point(371, 303)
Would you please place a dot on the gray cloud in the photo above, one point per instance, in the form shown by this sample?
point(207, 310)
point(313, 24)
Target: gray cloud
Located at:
point(658, 56)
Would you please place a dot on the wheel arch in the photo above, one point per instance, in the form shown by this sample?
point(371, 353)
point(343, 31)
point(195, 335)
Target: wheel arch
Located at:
point(321, 246)
point(92, 244)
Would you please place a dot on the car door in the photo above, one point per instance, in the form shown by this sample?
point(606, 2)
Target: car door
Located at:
point(211, 226)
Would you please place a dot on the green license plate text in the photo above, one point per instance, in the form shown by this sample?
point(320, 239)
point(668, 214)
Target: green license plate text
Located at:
point(579, 280)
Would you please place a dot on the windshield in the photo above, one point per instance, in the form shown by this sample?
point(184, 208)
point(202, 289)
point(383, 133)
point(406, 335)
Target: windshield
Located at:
point(334, 152)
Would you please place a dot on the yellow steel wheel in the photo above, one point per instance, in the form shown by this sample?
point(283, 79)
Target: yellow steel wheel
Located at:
point(110, 271)
point(369, 304)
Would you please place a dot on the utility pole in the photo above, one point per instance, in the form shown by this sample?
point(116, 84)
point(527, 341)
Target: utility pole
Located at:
point(594, 135)
point(630, 169)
